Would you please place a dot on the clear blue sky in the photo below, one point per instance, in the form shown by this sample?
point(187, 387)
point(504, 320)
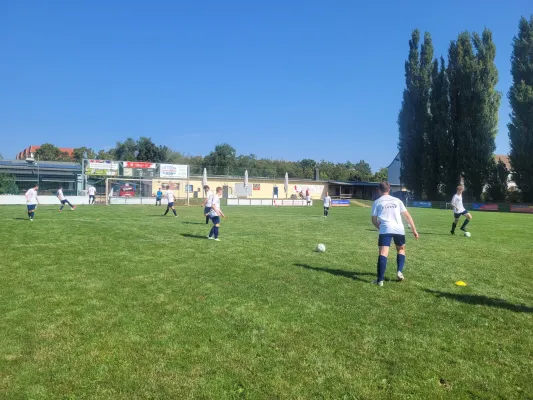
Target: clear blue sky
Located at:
point(288, 79)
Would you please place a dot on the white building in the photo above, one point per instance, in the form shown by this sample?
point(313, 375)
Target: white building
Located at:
point(393, 174)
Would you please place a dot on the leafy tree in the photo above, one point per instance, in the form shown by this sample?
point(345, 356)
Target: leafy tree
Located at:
point(106, 155)
point(223, 159)
point(49, 152)
point(496, 189)
point(521, 99)
point(437, 138)
point(79, 153)
point(148, 151)
point(126, 151)
point(8, 185)
point(381, 176)
point(413, 118)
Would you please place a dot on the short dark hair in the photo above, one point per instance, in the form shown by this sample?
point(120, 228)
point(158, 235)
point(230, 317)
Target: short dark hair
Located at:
point(384, 187)
point(206, 187)
point(219, 189)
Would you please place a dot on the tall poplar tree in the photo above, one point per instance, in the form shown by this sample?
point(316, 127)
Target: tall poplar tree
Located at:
point(521, 100)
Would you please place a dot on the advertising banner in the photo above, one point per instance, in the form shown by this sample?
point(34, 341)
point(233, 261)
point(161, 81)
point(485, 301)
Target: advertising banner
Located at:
point(522, 208)
point(173, 171)
point(484, 207)
point(101, 167)
point(421, 204)
point(138, 169)
point(340, 203)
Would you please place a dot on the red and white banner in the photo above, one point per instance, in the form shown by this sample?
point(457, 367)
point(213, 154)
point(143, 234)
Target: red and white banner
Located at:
point(138, 164)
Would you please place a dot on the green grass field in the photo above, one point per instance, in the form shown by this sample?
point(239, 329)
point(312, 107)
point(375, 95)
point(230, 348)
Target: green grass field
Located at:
point(120, 303)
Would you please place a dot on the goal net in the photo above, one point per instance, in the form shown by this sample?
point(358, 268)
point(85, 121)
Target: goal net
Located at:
point(144, 191)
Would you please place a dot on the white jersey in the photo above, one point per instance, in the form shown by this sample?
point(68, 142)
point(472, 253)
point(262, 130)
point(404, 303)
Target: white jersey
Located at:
point(215, 205)
point(389, 211)
point(327, 201)
point(92, 191)
point(170, 196)
point(60, 194)
point(457, 204)
point(209, 196)
point(31, 197)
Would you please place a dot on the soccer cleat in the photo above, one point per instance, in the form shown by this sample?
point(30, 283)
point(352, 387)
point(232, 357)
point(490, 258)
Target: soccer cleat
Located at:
point(464, 229)
point(217, 239)
point(376, 282)
point(31, 219)
point(452, 232)
point(399, 275)
point(73, 208)
point(210, 237)
point(60, 210)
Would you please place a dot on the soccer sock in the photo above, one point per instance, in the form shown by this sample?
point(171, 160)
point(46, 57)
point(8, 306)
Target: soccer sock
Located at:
point(327, 213)
point(400, 259)
point(454, 225)
point(32, 214)
point(206, 219)
point(216, 232)
point(174, 211)
point(166, 212)
point(60, 208)
point(324, 212)
point(382, 266)
point(29, 214)
point(68, 202)
point(212, 231)
point(465, 223)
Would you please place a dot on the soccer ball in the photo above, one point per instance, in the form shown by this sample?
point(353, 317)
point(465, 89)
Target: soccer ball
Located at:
point(320, 248)
point(467, 234)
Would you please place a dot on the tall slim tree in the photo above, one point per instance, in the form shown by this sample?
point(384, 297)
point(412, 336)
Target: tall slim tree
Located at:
point(413, 119)
point(521, 100)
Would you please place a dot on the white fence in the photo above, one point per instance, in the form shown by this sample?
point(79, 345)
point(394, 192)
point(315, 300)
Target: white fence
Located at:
point(12, 200)
point(266, 202)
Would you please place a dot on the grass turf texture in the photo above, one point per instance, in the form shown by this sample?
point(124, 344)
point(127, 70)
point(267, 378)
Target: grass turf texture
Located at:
point(120, 303)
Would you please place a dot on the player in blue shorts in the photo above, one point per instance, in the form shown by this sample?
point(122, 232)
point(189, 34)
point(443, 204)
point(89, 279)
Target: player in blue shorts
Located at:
point(158, 197)
point(215, 214)
point(458, 210)
point(207, 203)
point(170, 197)
point(31, 201)
point(387, 214)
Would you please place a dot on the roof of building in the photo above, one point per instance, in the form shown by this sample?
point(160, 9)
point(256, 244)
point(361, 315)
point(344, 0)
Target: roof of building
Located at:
point(504, 159)
point(396, 158)
point(353, 183)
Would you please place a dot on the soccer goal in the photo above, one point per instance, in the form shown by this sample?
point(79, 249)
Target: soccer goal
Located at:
point(143, 191)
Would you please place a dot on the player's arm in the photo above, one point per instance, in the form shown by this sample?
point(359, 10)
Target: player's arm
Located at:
point(411, 222)
point(219, 212)
point(375, 221)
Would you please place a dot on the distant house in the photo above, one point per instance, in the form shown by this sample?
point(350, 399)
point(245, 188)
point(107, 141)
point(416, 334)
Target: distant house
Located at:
point(30, 151)
point(393, 174)
point(505, 159)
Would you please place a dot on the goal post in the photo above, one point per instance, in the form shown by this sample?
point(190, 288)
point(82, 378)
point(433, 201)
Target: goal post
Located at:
point(143, 191)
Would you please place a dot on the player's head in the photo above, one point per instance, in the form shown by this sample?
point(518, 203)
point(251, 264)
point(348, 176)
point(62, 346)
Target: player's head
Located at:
point(219, 190)
point(460, 189)
point(327, 193)
point(206, 187)
point(384, 188)
point(159, 189)
point(36, 187)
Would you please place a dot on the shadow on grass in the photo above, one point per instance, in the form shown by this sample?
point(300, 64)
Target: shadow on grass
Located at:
point(21, 219)
point(482, 301)
point(193, 223)
point(188, 235)
point(421, 233)
point(339, 272)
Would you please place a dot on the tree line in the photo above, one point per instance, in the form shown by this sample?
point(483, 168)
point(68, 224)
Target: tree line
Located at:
point(448, 119)
point(223, 160)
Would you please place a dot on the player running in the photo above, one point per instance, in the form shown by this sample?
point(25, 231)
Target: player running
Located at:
point(327, 204)
point(458, 210)
point(387, 214)
point(170, 196)
point(31, 201)
point(207, 203)
point(215, 214)
point(92, 194)
point(63, 200)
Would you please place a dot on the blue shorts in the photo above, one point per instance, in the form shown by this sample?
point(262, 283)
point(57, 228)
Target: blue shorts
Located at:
point(31, 207)
point(158, 199)
point(216, 220)
point(206, 210)
point(386, 239)
point(171, 204)
point(64, 201)
point(457, 215)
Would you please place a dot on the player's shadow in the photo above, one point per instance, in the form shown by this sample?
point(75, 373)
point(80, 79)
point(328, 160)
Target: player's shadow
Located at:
point(421, 233)
point(480, 300)
point(193, 223)
point(188, 235)
point(339, 272)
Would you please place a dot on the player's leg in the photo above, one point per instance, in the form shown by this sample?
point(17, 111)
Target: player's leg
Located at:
point(168, 208)
point(384, 242)
point(468, 217)
point(62, 205)
point(399, 241)
point(212, 231)
point(454, 224)
point(327, 211)
point(217, 226)
point(174, 211)
point(71, 206)
point(31, 211)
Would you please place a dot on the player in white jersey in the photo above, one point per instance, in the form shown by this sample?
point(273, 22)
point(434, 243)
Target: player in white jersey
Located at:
point(327, 204)
point(92, 194)
point(215, 214)
point(31, 201)
point(169, 194)
point(63, 200)
point(207, 203)
point(458, 210)
point(387, 214)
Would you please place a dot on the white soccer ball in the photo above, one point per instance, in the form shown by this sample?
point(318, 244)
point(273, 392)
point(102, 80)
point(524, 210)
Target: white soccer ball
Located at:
point(320, 248)
point(467, 234)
